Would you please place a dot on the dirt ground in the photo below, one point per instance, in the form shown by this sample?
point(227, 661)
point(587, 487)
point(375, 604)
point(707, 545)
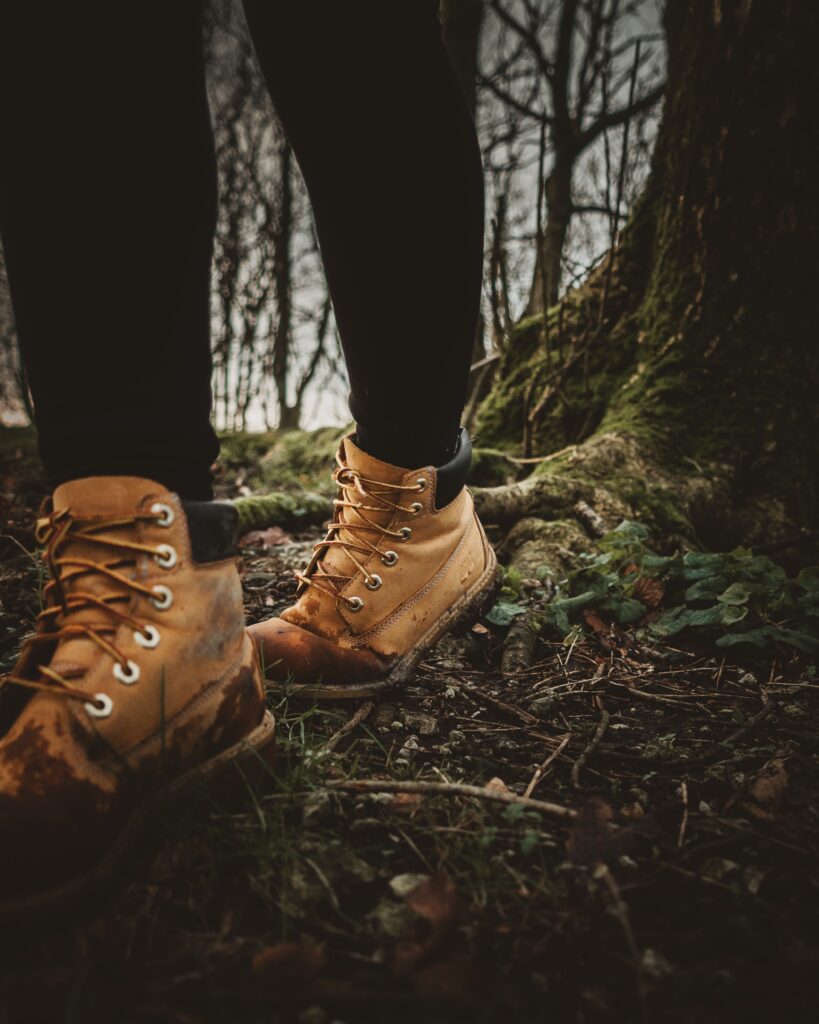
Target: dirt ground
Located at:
point(640, 844)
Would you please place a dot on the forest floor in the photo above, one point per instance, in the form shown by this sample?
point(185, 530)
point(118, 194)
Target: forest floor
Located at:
point(641, 845)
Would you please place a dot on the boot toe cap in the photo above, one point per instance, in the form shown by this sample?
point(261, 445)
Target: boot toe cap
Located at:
point(291, 653)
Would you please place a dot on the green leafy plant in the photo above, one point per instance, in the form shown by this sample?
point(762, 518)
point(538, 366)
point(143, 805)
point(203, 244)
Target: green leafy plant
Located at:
point(733, 597)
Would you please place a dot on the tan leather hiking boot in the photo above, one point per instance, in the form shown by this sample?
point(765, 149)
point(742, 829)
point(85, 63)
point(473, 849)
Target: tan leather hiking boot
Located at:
point(139, 680)
point(405, 559)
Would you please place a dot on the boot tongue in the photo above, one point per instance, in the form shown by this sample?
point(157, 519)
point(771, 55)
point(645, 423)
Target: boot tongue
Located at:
point(335, 559)
point(90, 500)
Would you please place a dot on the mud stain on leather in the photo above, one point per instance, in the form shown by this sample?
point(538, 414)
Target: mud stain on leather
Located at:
point(291, 650)
point(240, 709)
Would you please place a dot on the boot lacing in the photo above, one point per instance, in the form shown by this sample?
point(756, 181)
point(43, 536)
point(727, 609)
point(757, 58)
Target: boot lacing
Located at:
point(55, 532)
point(373, 490)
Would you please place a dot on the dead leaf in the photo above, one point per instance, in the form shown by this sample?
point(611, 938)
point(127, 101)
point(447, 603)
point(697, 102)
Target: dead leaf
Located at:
point(293, 961)
point(590, 835)
point(407, 803)
point(453, 981)
point(496, 785)
point(593, 621)
point(768, 790)
point(436, 900)
point(265, 538)
point(648, 591)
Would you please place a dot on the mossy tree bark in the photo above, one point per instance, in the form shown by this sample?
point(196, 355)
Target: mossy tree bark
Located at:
point(690, 361)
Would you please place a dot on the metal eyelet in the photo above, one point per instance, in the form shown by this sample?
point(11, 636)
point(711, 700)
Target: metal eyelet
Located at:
point(421, 483)
point(405, 533)
point(389, 558)
point(374, 582)
point(148, 636)
point(355, 604)
point(165, 556)
point(166, 513)
point(164, 598)
point(128, 677)
point(416, 507)
point(95, 710)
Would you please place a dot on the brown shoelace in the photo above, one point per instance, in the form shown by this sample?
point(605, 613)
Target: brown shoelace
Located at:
point(55, 532)
point(351, 517)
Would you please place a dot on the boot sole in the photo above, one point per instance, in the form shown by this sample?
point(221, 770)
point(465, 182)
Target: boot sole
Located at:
point(461, 615)
point(251, 749)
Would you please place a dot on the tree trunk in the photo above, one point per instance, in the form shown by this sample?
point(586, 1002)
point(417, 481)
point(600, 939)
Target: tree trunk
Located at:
point(691, 397)
point(557, 188)
point(283, 284)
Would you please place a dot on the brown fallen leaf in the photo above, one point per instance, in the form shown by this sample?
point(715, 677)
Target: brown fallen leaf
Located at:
point(454, 981)
point(589, 836)
point(290, 961)
point(593, 621)
point(497, 785)
point(406, 803)
point(768, 790)
point(436, 900)
point(648, 591)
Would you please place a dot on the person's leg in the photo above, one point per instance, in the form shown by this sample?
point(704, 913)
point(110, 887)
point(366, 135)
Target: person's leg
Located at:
point(381, 130)
point(382, 133)
point(139, 673)
point(107, 210)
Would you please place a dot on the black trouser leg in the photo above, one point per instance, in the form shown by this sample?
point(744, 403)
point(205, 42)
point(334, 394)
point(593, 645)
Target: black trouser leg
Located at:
point(107, 211)
point(383, 136)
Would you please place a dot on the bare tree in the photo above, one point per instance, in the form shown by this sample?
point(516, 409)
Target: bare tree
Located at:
point(560, 68)
point(272, 319)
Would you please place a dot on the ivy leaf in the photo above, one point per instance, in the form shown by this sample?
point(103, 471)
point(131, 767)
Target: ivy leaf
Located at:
point(625, 609)
point(737, 593)
point(706, 589)
point(730, 614)
point(504, 612)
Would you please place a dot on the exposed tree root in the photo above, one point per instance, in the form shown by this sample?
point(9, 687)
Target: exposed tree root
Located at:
point(281, 509)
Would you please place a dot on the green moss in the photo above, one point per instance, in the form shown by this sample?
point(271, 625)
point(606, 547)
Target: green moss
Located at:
point(592, 356)
point(281, 460)
point(492, 468)
point(499, 422)
point(657, 507)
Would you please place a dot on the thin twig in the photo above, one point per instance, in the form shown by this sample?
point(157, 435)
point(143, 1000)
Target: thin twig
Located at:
point(621, 912)
point(451, 789)
point(540, 771)
point(348, 727)
point(590, 749)
point(509, 709)
point(675, 702)
point(541, 458)
point(684, 822)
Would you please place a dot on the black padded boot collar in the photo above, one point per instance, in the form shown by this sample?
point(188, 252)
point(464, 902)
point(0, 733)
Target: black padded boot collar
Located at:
point(452, 475)
point(213, 527)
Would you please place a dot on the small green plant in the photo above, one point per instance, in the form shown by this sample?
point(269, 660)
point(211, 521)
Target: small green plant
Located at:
point(733, 597)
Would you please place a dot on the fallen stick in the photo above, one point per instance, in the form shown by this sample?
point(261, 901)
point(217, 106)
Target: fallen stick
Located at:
point(541, 768)
point(348, 727)
point(590, 749)
point(451, 789)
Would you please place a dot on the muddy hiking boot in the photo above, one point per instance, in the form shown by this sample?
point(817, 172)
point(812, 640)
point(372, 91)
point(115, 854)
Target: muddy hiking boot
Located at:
point(404, 561)
point(139, 682)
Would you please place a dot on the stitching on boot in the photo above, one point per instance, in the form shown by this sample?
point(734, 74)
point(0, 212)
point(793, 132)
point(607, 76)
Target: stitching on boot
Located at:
point(410, 603)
